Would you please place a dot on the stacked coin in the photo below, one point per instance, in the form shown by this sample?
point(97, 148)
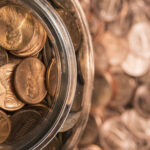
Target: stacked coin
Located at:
point(120, 31)
point(25, 68)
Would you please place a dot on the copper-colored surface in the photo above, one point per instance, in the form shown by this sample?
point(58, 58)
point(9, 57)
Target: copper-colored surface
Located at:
point(3, 57)
point(5, 127)
point(8, 101)
point(30, 80)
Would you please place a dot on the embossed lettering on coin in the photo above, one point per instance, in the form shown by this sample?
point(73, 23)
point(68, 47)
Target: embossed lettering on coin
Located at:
point(8, 99)
point(30, 80)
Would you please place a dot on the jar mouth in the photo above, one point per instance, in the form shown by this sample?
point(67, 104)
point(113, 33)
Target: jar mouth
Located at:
point(67, 75)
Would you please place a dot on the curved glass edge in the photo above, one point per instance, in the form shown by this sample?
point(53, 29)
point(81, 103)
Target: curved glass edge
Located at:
point(78, 130)
point(53, 24)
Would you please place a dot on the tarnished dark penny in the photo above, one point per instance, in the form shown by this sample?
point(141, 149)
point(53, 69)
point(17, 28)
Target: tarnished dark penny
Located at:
point(54, 145)
point(52, 77)
point(3, 57)
point(70, 122)
point(23, 122)
point(8, 99)
point(29, 80)
point(17, 27)
point(5, 127)
point(73, 27)
point(141, 100)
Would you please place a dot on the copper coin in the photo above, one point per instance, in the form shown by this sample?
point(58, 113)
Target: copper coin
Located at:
point(108, 10)
point(138, 125)
point(70, 122)
point(141, 101)
point(9, 101)
point(55, 144)
point(139, 38)
point(103, 90)
point(29, 80)
point(91, 147)
point(23, 122)
point(116, 51)
point(73, 27)
point(17, 27)
point(91, 129)
point(135, 66)
point(3, 57)
point(52, 78)
point(125, 87)
point(5, 127)
point(115, 135)
point(36, 43)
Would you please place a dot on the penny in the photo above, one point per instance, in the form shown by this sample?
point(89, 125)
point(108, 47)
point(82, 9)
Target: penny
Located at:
point(29, 80)
point(100, 58)
point(138, 125)
point(135, 66)
point(116, 51)
point(71, 121)
point(52, 78)
point(47, 53)
point(125, 87)
point(141, 100)
point(9, 101)
point(23, 122)
point(3, 57)
point(103, 90)
point(55, 144)
point(73, 27)
point(91, 129)
point(115, 135)
point(5, 127)
point(17, 27)
point(91, 147)
point(108, 10)
point(139, 39)
point(35, 45)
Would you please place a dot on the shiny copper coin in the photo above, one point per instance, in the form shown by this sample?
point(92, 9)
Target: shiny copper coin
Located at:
point(17, 27)
point(125, 87)
point(139, 43)
point(108, 10)
point(115, 135)
point(103, 90)
point(91, 147)
point(9, 101)
point(23, 122)
point(29, 80)
point(3, 57)
point(70, 122)
point(5, 127)
point(135, 66)
point(36, 44)
point(141, 101)
point(138, 125)
point(52, 78)
point(73, 27)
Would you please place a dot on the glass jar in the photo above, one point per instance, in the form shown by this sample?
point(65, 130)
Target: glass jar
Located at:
point(74, 67)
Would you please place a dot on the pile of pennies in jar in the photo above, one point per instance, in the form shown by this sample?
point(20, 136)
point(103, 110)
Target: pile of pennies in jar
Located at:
point(29, 75)
point(120, 113)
